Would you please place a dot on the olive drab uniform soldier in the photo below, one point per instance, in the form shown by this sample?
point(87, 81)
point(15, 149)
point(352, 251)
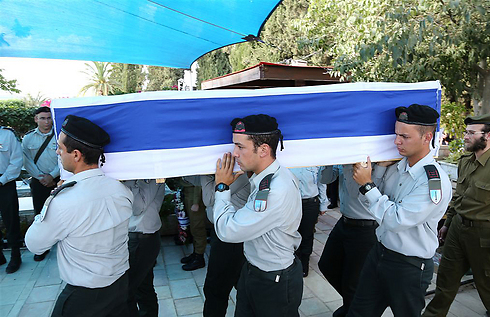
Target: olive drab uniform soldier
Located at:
point(408, 205)
point(271, 282)
point(467, 244)
point(10, 166)
point(87, 217)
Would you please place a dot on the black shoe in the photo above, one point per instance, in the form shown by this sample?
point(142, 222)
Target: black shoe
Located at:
point(3, 260)
point(305, 274)
point(188, 258)
point(196, 263)
point(40, 257)
point(332, 206)
point(14, 265)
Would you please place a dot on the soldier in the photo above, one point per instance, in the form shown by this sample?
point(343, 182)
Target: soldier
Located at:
point(10, 166)
point(313, 202)
point(225, 259)
point(144, 245)
point(408, 205)
point(271, 282)
point(467, 225)
point(88, 218)
point(41, 161)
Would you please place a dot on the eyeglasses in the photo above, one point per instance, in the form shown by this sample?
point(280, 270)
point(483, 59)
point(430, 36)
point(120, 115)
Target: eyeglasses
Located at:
point(470, 133)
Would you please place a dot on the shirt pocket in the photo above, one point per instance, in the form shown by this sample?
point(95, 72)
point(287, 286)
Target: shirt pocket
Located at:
point(482, 191)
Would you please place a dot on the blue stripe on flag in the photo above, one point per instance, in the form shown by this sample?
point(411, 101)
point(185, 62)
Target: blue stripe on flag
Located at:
point(184, 123)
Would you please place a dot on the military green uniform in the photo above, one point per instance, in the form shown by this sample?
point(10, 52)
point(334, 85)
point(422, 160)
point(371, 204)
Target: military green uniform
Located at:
point(468, 239)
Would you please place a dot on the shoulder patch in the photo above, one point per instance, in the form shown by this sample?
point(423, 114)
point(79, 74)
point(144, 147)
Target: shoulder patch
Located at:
point(260, 203)
point(435, 191)
point(53, 194)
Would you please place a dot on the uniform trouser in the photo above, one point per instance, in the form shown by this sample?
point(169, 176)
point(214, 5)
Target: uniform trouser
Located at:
point(259, 294)
point(391, 279)
point(333, 191)
point(464, 247)
point(311, 210)
point(225, 263)
point(9, 208)
point(78, 301)
point(143, 251)
point(343, 257)
point(39, 194)
point(197, 221)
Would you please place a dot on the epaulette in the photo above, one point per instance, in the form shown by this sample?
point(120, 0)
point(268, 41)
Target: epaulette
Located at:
point(53, 194)
point(260, 203)
point(466, 154)
point(12, 130)
point(30, 131)
point(435, 191)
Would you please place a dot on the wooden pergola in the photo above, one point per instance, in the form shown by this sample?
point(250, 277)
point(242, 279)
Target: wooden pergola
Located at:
point(268, 75)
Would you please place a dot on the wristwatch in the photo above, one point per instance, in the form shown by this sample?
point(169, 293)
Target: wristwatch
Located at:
point(366, 187)
point(221, 187)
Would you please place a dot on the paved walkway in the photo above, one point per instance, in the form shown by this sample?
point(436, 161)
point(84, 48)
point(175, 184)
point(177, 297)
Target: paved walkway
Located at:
point(32, 290)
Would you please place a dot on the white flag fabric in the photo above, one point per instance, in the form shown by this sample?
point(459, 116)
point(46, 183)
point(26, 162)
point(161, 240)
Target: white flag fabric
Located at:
point(176, 133)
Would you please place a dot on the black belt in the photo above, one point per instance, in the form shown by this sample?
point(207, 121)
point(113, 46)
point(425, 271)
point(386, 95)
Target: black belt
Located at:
point(474, 223)
point(139, 235)
point(414, 260)
point(359, 222)
point(271, 275)
point(309, 200)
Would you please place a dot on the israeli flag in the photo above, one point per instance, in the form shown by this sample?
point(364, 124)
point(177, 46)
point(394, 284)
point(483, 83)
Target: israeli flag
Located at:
point(176, 133)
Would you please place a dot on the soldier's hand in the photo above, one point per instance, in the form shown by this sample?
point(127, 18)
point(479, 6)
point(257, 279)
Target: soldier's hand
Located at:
point(442, 233)
point(47, 180)
point(224, 170)
point(362, 172)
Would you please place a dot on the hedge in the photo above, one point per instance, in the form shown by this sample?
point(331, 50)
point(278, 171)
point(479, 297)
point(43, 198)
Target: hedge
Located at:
point(15, 114)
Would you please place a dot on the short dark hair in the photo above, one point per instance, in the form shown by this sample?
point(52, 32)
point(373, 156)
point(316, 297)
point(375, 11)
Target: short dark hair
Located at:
point(42, 109)
point(272, 140)
point(90, 155)
point(423, 129)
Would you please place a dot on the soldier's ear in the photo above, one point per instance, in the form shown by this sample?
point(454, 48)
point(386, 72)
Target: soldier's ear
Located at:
point(264, 150)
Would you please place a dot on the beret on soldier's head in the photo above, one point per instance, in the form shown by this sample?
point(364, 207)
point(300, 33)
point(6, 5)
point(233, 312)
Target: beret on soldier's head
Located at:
point(255, 124)
point(42, 109)
point(417, 114)
point(85, 131)
point(482, 119)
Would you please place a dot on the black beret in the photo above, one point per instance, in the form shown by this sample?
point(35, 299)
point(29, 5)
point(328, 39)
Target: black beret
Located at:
point(42, 109)
point(482, 119)
point(85, 131)
point(255, 124)
point(417, 114)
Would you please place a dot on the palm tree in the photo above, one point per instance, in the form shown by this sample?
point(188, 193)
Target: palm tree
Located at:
point(99, 74)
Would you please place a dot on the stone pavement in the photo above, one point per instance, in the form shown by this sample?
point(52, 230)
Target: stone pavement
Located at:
point(32, 290)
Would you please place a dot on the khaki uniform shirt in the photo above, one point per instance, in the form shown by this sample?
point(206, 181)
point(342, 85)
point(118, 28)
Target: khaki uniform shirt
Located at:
point(472, 197)
point(47, 162)
point(269, 237)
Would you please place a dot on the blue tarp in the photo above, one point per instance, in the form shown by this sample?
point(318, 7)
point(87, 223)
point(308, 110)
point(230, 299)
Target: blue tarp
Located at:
point(148, 32)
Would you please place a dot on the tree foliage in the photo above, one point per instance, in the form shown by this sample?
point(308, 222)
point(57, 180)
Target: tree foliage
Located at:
point(16, 114)
point(163, 78)
point(34, 101)
point(280, 41)
point(8, 85)
point(100, 81)
point(407, 41)
point(128, 78)
point(213, 64)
